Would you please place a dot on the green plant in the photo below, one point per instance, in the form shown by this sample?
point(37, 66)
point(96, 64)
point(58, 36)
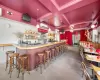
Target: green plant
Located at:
point(19, 35)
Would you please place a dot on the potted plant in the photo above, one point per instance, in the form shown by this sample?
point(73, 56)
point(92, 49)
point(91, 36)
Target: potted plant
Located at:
point(20, 36)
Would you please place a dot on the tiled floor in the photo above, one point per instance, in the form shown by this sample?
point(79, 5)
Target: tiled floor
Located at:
point(65, 67)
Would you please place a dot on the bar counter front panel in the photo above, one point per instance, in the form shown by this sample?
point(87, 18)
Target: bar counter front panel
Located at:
point(33, 50)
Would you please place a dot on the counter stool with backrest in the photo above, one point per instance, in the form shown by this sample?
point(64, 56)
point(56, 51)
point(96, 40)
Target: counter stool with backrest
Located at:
point(87, 76)
point(23, 64)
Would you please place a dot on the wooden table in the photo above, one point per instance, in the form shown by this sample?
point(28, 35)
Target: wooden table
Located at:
point(92, 58)
point(97, 71)
point(88, 51)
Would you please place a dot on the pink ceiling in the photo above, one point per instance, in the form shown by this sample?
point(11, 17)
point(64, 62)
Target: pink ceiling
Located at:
point(62, 2)
point(68, 11)
point(83, 13)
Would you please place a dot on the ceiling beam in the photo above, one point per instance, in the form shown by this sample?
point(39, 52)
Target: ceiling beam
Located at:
point(81, 22)
point(44, 16)
point(66, 19)
point(72, 2)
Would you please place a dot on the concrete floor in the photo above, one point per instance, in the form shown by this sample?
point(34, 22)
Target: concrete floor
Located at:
point(65, 67)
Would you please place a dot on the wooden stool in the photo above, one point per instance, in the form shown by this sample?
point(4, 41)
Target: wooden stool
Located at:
point(11, 62)
point(65, 47)
point(41, 60)
point(53, 53)
point(57, 51)
point(62, 49)
point(23, 64)
point(48, 56)
point(7, 57)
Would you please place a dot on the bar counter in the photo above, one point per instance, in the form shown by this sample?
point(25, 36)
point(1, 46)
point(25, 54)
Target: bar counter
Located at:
point(33, 50)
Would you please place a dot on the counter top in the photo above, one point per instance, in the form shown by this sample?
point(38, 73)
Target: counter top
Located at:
point(23, 46)
point(3, 45)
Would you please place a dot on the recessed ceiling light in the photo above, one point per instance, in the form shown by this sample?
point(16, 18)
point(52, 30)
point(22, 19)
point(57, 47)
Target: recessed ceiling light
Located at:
point(10, 13)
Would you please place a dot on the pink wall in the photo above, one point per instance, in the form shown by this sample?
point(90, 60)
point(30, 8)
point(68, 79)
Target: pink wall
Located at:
point(62, 36)
point(82, 36)
point(15, 15)
point(68, 36)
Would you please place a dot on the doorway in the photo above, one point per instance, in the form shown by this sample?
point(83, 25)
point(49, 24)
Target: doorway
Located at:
point(76, 38)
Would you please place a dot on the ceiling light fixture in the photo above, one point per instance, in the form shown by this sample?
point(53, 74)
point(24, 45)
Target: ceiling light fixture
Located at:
point(71, 30)
point(92, 26)
point(49, 29)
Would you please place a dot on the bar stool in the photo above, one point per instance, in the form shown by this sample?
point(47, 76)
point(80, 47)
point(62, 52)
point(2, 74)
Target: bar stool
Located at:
point(41, 61)
point(53, 53)
point(61, 49)
point(23, 64)
point(57, 51)
point(7, 57)
point(13, 57)
point(65, 48)
point(48, 56)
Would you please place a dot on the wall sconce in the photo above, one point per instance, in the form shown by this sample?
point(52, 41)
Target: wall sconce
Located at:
point(10, 13)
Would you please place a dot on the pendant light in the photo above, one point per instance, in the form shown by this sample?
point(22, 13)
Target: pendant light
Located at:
point(71, 28)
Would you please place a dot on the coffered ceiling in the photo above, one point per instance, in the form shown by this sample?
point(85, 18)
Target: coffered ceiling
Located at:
point(62, 12)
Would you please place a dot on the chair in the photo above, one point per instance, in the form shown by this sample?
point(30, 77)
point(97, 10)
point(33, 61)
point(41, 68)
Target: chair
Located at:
point(87, 76)
point(86, 62)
